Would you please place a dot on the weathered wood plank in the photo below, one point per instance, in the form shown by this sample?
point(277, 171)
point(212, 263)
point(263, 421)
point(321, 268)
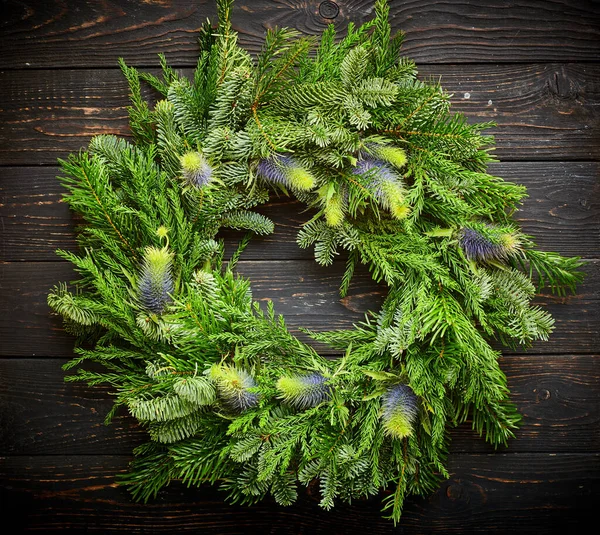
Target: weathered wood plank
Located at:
point(59, 34)
point(559, 398)
point(543, 112)
point(40, 414)
point(562, 213)
point(510, 493)
point(35, 222)
point(305, 293)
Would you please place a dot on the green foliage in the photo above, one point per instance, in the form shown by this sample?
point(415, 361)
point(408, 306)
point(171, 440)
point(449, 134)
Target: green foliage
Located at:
point(246, 220)
point(226, 393)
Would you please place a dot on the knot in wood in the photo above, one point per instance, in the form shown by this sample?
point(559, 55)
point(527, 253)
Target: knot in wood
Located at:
point(329, 10)
point(454, 492)
point(561, 86)
point(542, 394)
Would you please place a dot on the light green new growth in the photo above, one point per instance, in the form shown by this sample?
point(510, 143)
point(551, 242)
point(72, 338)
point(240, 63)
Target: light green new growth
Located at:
point(228, 396)
point(333, 202)
point(399, 426)
point(158, 260)
point(394, 199)
point(394, 155)
point(300, 178)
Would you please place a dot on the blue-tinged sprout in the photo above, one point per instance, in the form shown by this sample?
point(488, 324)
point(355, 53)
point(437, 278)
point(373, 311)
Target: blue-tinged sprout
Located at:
point(195, 169)
point(286, 171)
point(155, 283)
point(304, 391)
point(400, 408)
point(233, 386)
point(488, 244)
point(269, 169)
point(388, 153)
point(385, 185)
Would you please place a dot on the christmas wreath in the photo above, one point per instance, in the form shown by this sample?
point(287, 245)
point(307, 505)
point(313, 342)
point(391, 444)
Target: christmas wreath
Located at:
point(228, 396)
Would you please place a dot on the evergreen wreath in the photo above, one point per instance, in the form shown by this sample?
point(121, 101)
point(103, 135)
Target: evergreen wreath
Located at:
point(226, 393)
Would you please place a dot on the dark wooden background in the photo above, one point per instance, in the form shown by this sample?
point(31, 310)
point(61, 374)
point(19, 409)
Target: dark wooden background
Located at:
point(533, 66)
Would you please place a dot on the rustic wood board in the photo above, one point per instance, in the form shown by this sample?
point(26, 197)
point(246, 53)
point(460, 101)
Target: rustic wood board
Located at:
point(542, 111)
point(562, 213)
point(305, 293)
point(499, 493)
point(61, 34)
point(41, 414)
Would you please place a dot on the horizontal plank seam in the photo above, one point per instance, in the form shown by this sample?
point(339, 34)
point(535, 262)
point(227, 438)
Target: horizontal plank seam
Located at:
point(579, 354)
point(532, 162)
point(290, 259)
point(505, 353)
point(454, 454)
point(504, 160)
point(529, 61)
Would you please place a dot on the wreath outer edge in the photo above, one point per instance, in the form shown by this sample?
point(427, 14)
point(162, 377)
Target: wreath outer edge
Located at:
point(227, 394)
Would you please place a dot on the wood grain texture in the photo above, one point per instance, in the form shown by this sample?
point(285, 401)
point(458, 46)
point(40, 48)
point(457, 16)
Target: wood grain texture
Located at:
point(501, 493)
point(305, 293)
point(542, 111)
point(40, 414)
point(49, 34)
point(562, 213)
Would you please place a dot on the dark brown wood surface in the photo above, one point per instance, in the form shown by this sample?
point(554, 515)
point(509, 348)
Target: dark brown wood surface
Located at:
point(488, 493)
point(53, 33)
point(558, 396)
point(532, 66)
point(542, 111)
